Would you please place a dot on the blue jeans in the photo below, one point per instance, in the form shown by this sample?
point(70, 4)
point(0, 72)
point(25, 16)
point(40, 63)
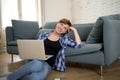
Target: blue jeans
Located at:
point(33, 70)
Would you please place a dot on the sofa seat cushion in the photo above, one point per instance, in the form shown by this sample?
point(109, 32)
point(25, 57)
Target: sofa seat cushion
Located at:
point(85, 49)
point(12, 43)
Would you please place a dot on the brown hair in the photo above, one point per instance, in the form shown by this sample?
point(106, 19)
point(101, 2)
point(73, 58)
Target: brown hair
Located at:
point(65, 21)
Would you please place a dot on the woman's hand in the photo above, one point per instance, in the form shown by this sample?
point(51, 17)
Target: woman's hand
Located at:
point(77, 37)
point(72, 29)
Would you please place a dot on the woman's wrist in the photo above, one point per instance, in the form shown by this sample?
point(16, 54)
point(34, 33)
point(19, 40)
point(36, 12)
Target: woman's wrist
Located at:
point(73, 29)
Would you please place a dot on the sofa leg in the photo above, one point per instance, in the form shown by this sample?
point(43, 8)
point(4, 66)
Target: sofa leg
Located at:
point(12, 58)
point(101, 72)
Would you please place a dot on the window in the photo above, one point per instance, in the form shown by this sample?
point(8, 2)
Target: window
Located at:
point(29, 11)
point(20, 9)
point(9, 11)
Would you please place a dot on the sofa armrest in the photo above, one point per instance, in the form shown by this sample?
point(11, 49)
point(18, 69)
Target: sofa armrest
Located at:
point(111, 38)
point(9, 34)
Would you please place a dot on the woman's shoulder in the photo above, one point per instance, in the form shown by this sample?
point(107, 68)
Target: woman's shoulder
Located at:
point(64, 37)
point(44, 34)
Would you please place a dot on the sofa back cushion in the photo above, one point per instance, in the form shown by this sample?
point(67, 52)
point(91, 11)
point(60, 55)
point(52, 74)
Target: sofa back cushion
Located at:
point(25, 29)
point(83, 30)
point(50, 25)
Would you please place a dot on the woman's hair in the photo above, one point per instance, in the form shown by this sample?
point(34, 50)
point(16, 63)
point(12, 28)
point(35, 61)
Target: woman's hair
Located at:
point(65, 21)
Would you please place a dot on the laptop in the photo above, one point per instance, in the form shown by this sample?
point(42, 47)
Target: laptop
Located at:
point(32, 49)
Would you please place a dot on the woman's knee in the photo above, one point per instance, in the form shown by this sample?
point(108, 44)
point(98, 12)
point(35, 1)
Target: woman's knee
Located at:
point(36, 65)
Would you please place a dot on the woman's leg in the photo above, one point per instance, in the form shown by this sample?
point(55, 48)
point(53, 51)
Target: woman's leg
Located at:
point(32, 66)
point(41, 75)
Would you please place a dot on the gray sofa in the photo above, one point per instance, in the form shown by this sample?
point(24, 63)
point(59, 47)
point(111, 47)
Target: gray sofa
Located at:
point(100, 40)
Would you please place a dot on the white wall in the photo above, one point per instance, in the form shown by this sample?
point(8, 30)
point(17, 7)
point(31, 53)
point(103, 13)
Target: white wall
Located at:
point(85, 11)
point(57, 9)
point(80, 11)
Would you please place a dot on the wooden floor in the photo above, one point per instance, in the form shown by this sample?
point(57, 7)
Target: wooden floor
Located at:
point(74, 71)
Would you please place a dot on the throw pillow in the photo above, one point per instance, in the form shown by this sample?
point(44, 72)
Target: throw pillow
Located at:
point(25, 29)
point(96, 34)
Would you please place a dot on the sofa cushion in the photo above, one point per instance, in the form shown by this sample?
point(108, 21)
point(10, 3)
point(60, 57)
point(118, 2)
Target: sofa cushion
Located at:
point(38, 33)
point(41, 31)
point(85, 49)
point(50, 25)
point(25, 29)
point(83, 30)
point(12, 43)
point(96, 34)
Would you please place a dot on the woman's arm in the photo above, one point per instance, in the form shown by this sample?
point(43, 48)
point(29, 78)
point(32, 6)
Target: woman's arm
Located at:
point(77, 38)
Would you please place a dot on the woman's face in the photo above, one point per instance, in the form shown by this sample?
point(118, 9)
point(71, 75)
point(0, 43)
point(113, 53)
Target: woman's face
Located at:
point(62, 28)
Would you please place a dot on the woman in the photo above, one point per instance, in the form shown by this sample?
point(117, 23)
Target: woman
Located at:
point(55, 44)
